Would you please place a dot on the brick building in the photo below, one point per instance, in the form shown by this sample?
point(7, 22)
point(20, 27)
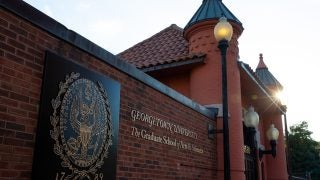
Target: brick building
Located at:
point(70, 109)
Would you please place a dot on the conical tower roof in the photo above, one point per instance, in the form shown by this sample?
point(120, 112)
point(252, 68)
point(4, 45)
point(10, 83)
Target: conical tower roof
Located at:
point(266, 76)
point(212, 9)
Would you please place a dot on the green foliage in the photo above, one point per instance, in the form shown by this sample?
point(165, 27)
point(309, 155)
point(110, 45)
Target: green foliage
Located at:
point(303, 151)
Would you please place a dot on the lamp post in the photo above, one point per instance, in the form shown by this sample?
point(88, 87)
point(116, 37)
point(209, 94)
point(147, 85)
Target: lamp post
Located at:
point(223, 34)
point(272, 136)
point(251, 121)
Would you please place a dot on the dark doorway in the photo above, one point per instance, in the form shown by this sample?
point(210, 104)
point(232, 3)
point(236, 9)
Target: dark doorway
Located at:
point(250, 166)
point(250, 153)
point(262, 171)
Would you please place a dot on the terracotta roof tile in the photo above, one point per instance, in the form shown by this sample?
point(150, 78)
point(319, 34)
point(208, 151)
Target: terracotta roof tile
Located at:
point(164, 47)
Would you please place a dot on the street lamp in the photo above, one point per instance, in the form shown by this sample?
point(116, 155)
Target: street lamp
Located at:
point(223, 34)
point(251, 121)
point(251, 118)
point(272, 136)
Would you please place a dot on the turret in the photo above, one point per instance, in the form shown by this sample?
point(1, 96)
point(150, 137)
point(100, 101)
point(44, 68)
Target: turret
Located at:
point(267, 78)
point(206, 81)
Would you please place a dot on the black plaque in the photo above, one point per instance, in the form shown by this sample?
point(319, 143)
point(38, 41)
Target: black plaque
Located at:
point(77, 133)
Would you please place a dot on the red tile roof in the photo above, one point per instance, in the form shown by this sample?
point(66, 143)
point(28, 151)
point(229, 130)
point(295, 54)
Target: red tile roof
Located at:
point(167, 46)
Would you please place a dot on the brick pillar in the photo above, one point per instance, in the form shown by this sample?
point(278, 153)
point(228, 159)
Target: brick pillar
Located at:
point(205, 88)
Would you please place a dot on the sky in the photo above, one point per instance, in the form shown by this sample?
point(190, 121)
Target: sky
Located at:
point(287, 32)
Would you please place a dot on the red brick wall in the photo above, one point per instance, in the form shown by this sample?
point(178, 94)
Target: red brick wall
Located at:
point(22, 54)
point(177, 81)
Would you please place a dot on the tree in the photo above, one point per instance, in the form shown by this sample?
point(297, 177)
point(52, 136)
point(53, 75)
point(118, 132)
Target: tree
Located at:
point(303, 151)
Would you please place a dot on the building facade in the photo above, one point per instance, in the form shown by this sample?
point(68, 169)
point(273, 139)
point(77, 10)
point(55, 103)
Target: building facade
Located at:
point(188, 60)
point(70, 109)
